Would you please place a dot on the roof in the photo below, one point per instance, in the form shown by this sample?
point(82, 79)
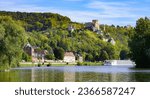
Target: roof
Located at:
point(28, 45)
point(41, 51)
point(69, 54)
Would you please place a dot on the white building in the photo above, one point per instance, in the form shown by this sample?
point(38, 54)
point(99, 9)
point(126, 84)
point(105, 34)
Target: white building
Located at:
point(112, 41)
point(71, 28)
point(69, 57)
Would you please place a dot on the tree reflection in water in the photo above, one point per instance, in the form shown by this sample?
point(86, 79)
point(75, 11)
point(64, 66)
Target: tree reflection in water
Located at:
point(74, 74)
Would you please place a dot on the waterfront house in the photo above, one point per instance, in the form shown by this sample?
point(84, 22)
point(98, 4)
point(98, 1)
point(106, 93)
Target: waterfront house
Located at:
point(69, 57)
point(36, 54)
point(79, 57)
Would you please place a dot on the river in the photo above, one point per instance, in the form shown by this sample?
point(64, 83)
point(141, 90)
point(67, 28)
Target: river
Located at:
point(76, 74)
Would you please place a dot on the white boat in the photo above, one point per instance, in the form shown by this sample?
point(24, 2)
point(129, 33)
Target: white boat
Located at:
point(118, 63)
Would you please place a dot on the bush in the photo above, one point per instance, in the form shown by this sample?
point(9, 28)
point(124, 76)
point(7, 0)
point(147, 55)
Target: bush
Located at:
point(26, 57)
point(49, 64)
point(50, 56)
point(79, 64)
point(86, 64)
point(18, 64)
point(59, 53)
point(39, 64)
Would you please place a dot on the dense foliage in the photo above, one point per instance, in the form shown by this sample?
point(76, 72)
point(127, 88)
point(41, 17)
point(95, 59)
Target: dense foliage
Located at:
point(38, 21)
point(12, 40)
point(140, 43)
point(87, 43)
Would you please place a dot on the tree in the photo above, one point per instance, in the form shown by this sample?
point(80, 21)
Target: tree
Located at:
point(38, 26)
point(110, 50)
point(104, 55)
point(139, 44)
point(12, 40)
point(26, 57)
point(50, 56)
point(59, 53)
point(123, 54)
point(89, 57)
point(39, 21)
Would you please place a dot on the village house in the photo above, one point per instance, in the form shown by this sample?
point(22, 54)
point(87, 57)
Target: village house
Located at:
point(71, 28)
point(36, 54)
point(69, 57)
point(112, 41)
point(80, 58)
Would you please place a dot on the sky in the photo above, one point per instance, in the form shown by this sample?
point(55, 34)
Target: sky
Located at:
point(117, 12)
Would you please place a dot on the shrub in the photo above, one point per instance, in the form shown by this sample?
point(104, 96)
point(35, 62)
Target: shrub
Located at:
point(79, 64)
point(49, 64)
point(85, 64)
point(39, 64)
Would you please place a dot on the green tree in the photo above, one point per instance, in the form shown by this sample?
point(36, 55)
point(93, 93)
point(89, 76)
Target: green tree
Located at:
point(38, 26)
point(123, 54)
point(26, 57)
point(139, 44)
point(89, 57)
point(59, 53)
point(50, 56)
point(104, 55)
point(110, 50)
point(12, 40)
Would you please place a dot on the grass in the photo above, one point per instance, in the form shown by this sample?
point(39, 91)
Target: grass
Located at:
point(45, 64)
point(30, 64)
point(27, 65)
point(90, 64)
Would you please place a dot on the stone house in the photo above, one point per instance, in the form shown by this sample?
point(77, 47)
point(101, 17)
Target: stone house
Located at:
point(36, 54)
point(69, 57)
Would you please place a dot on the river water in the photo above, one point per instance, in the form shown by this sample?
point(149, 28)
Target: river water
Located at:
point(76, 74)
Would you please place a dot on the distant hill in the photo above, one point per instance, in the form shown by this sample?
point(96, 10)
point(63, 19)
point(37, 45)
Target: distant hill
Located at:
point(38, 21)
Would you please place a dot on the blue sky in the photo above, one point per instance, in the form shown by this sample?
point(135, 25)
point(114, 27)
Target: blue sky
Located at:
point(117, 12)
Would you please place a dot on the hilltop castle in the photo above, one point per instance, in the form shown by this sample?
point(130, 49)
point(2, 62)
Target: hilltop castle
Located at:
point(94, 25)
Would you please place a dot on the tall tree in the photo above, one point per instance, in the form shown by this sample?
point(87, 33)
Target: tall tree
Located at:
point(59, 53)
point(139, 44)
point(12, 39)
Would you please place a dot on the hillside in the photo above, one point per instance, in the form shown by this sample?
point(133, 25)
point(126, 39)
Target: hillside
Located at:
point(49, 31)
point(38, 21)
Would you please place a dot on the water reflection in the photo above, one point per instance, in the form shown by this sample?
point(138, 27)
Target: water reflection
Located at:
point(75, 74)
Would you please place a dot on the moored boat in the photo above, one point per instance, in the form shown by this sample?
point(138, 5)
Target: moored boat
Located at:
point(118, 63)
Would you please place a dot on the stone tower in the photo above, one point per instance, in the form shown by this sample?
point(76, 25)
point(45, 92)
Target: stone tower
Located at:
point(96, 24)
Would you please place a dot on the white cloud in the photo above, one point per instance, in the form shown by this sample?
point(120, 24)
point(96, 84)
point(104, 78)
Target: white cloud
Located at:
point(125, 10)
point(113, 9)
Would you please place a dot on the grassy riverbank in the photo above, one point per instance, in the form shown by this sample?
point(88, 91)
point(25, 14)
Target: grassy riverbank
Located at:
point(89, 63)
point(30, 64)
